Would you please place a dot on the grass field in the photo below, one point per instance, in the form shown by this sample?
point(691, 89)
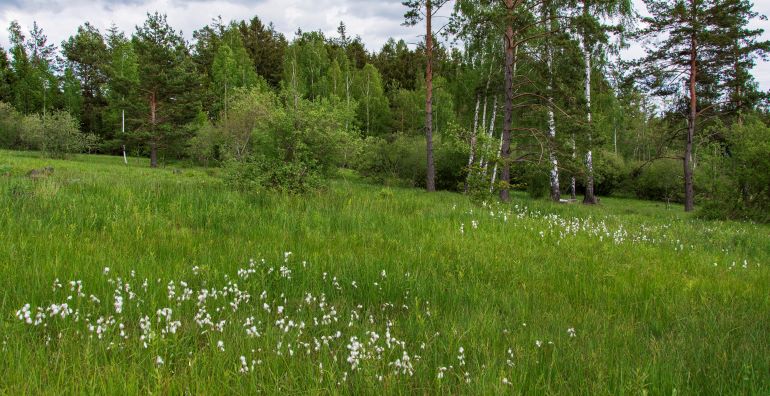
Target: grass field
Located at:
point(361, 289)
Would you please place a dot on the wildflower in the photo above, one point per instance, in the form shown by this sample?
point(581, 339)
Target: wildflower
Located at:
point(221, 345)
point(244, 365)
point(118, 303)
point(571, 332)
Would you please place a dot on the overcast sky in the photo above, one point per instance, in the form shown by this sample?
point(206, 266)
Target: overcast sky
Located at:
point(373, 20)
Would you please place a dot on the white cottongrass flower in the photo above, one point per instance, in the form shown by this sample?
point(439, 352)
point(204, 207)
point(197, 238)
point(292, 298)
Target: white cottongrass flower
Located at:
point(571, 332)
point(159, 361)
point(221, 345)
point(118, 303)
point(538, 343)
point(244, 365)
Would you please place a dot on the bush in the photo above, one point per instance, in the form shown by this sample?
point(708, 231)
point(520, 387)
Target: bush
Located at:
point(736, 178)
point(10, 127)
point(56, 135)
point(271, 144)
point(610, 172)
point(538, 180)
point(260, 174)
point(401, 160)
point(662, 180)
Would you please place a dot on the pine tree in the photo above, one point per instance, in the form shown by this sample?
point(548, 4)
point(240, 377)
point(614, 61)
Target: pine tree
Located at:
point(691, 49)
point(419, 9)
point(745, 47)
point(167, 81)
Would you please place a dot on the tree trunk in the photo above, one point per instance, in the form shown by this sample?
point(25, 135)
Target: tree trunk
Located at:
point(589, 198)
point(123, 132)
point(153, 155)
point(474, 137)
point(505, 150)
point(494, 170)
point(689, 195)
point(430, 177)
point(572, 183)
point(555, 190)
point(484, 160)
point(154, 126)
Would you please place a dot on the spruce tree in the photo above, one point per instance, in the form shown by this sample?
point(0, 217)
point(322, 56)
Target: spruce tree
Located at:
point(86, 54)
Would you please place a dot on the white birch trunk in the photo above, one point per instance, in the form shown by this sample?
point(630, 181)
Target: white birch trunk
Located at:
point(589, 195)
point(494, 171)
point(123, 131)
point(555, 190)
point(484, 161)
point(474, 130)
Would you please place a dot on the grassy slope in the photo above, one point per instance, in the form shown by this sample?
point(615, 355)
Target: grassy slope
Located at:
point(648, 315)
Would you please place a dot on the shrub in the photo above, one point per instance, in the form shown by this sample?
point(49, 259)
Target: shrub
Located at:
point(661, 180)
point(257, 174)
point(10, 127)
point(401, 160)
point(56, 135)
point(610, 172)
point(538, 180)
point(271, 144)
point(737, 176)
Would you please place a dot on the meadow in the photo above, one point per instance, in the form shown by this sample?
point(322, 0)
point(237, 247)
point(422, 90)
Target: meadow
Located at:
point(124, 279)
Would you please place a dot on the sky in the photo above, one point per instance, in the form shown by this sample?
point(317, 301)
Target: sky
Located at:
point(374, 20)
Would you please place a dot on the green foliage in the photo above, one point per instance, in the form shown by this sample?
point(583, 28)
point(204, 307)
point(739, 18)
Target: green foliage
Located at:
point(736, 179)
point(400, 160)
point(537, 180)
point(301, 143)
point(265, 47)
point(373, 107)
point(5, 76)
point(167, 81)
point(660, 180)
point(610, 172)
point(10, 127)
point(71, 95)
point(56, 135)
point(259, 174)
point(87, 57)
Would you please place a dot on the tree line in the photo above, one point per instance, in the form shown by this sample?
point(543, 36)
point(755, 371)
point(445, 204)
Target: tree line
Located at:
point(504, 94)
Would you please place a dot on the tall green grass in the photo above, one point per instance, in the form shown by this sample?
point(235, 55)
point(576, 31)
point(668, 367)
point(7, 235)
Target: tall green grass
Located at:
point(660, 303)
